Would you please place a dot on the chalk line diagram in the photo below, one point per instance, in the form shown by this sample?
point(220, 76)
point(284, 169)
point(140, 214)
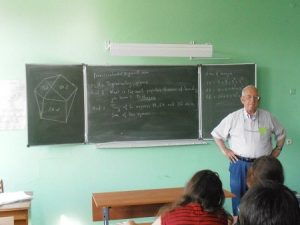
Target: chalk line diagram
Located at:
point(55, 96)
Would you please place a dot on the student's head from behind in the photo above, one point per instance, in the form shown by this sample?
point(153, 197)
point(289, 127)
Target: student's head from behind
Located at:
point(205, 188)
point(265, 168)
point(269, 204)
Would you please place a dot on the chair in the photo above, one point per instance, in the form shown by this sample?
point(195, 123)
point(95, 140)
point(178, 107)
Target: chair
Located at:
point(298, 198)
point(1, 186)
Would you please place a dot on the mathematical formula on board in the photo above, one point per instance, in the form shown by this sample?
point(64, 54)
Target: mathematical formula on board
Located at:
point(137, 97)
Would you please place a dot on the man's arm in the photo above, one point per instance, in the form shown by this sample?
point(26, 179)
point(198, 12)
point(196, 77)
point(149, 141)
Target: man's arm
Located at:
point(277, 150)
point(226, 151)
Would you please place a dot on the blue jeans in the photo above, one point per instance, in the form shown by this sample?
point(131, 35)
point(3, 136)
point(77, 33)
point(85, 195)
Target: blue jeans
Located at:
point(238, 178)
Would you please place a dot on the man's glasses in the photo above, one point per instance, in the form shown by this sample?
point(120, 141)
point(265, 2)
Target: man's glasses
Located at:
point(249, 97)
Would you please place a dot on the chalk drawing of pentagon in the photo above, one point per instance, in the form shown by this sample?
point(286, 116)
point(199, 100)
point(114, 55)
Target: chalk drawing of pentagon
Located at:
point(54, 96)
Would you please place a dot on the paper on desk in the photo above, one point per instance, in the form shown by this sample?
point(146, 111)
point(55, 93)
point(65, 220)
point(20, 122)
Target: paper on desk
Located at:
point(10, 197)
point(7, 220)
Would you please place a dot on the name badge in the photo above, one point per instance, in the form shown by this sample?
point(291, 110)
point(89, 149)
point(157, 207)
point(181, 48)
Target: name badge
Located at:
point(262, 130)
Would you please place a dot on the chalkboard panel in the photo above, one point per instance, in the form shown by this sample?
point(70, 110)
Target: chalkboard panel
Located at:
point(221, 87)
point(132, 103)
point(55, 104)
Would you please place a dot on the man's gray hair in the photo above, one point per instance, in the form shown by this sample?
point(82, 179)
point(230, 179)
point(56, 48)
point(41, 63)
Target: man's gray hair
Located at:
point(247, 87)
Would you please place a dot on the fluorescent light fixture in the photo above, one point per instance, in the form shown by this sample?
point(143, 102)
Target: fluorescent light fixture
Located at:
point(167, 50)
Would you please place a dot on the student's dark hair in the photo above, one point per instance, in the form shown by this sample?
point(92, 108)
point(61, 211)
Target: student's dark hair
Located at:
point(270, 203)
point(265, 168)
point(205, 188)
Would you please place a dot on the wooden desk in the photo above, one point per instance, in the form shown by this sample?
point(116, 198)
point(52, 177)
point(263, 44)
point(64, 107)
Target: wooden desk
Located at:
point(19, 210)
point(134, 204)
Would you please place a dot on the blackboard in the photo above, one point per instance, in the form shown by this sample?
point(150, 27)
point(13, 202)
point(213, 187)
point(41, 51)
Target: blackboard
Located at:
point(221, 87)
point(102, 104)
point(55, 100)
point(133, 103)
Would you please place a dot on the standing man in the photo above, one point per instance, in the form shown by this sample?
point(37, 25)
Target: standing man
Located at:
point(249, 134)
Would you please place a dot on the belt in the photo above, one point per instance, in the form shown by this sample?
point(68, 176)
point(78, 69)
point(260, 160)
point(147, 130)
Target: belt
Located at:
point(245, 159)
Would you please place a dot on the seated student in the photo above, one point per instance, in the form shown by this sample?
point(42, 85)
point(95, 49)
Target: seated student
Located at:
point(201, 203)
point(270, 203)
point(265, 168)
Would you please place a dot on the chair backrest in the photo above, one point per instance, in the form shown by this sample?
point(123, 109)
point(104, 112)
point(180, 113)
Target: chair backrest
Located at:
point(1, 186)
point(298, 198)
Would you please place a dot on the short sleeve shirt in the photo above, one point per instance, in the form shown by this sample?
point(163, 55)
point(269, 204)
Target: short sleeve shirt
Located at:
point(249, 137)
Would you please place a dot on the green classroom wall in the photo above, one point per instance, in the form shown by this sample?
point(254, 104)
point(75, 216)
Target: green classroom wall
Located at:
point(63, 177)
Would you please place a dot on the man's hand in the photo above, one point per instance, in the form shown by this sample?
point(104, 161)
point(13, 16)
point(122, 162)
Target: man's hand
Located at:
point(276, 152)
point(226, 151)
point(230, 155)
